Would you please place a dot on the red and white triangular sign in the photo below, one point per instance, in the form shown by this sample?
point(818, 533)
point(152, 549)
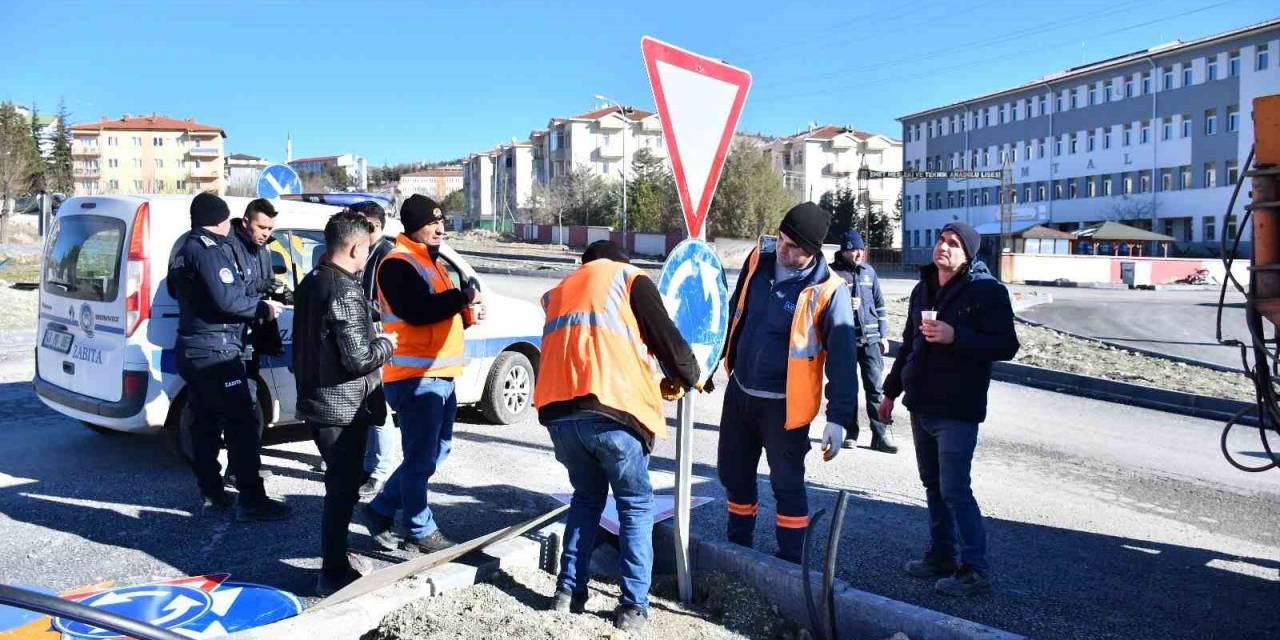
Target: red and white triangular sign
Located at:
point(699, 100)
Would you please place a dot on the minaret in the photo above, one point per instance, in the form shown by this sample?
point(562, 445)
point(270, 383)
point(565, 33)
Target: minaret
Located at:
point(288, 150)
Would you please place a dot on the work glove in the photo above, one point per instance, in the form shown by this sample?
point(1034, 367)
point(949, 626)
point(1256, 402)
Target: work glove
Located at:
point(706, 387)
point(832, 436)
point(671, 390)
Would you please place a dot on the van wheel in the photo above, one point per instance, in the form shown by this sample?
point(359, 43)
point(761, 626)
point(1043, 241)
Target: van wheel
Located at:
point(177, 430)
point(508, 393)
point(99, 429)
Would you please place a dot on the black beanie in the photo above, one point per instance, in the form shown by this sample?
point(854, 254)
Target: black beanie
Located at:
point(806, 224)
point(208, 210)
point(968, 237)
point(419, 211)
point(604, 250)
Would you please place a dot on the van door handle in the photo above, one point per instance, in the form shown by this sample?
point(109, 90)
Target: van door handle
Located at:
point(68, 368)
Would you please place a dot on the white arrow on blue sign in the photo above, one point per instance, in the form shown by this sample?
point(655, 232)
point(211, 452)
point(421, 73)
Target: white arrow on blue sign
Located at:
point(187, 610)
point(277, 180)
point(694, 292)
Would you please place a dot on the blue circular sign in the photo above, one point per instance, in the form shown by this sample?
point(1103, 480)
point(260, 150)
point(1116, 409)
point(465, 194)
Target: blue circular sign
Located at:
point(164, 605)
point(205, 607)
point(277, 180)
point(694, 291)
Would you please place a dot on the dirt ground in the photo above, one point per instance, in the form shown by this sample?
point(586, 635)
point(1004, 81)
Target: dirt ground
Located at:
point(1046, 348)
point(514, 606)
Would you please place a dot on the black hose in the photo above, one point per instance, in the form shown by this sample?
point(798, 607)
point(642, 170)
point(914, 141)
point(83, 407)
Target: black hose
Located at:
point(805, 546)
point(57, 607)
point(1235, 419)
point(829, 572)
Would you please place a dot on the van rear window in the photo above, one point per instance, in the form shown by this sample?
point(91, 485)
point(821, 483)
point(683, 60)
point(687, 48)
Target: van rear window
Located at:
point(83, 261)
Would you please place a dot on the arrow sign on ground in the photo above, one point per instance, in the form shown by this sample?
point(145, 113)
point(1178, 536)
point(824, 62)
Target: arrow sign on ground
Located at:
point(699, 101)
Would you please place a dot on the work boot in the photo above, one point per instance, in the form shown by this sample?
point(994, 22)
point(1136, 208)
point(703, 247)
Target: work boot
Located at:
point(883, 442)
point(265, 510)
point(371, 488)
point(630, 618)
point(566, 602)
point(358, 568)
point(932, 566)
point(230, 478)
point(380, 528)
point(966, 582)
point(430, 544)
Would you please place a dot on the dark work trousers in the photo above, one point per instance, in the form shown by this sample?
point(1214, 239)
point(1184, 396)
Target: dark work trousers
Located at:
point(944, 457)
point(222, 400)
point(871, 368)
point(747, 426)
point(342, 448)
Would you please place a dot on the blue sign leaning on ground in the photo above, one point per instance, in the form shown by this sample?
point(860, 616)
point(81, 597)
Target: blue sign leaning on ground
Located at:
point(694, 291)
point(277, 180)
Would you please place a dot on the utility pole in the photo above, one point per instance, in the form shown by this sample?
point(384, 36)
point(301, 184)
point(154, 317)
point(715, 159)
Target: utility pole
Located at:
point(626, 130)
point(1006, 212)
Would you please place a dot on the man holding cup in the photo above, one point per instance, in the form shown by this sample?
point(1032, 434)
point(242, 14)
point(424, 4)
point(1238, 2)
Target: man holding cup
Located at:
point(959, 322)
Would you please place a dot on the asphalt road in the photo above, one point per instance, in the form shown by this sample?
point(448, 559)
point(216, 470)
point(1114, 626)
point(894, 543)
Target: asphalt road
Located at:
point(1105, 521)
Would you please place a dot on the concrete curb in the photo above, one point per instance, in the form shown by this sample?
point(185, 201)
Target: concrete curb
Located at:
point(1125, 347)
point(858, 614)
point(356, 617)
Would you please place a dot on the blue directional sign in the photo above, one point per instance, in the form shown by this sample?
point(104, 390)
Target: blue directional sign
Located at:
point(277, 180)
point(200, 607)
point(693, 289)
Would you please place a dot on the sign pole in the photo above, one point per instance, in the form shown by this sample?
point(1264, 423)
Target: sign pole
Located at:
point(684, 471)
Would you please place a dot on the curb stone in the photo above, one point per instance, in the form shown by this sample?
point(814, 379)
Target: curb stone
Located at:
point(1124, 347)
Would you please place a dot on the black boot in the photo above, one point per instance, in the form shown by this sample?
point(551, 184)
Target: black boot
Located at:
point(882, 439)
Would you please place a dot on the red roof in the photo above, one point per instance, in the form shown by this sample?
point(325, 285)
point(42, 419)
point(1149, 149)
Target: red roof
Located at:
point(635, 115)
point(314, 159)
point(152, 122)
point(828, 132)
point(440, 172)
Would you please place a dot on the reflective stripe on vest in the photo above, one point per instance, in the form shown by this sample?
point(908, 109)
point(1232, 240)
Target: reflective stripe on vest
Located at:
point(433, 350)
point(806, 354)
point(591, 346)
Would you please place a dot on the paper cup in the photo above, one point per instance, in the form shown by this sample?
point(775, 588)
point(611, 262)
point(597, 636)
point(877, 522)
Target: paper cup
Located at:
point(928, 314)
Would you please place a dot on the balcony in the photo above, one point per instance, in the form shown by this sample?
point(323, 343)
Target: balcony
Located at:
point(204, 152)
point(85, 173)
point(208, 173)
point(836, 170)
point(85, 150)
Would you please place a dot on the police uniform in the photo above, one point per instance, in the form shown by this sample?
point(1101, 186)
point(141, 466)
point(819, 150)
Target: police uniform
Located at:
point(872, 326)
point(214, 306)
point(261, 338)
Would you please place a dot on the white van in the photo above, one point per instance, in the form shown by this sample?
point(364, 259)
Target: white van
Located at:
point(107, 324)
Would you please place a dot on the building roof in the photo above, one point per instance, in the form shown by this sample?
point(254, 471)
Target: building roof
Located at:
point(314, 159)
point(634, 115)
point(1176, 46)
point(1116, 231)
point(438, 172)
point(828, 132)
point(1045, 233)
point(243, 156)
point(993, 228)
point(152, 122)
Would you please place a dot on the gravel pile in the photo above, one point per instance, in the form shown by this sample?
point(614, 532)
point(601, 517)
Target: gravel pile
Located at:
point(1046, 348)
point(514, 605)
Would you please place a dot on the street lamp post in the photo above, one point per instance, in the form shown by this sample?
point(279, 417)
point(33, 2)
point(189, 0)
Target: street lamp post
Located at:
point(622, 111)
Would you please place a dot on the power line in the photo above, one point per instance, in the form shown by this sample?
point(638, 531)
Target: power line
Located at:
point(810, 36)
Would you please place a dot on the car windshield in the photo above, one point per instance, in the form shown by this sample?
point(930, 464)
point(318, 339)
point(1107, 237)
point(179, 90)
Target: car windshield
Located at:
point(83, 260)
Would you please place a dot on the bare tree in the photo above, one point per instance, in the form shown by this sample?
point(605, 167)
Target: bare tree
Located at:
point(19, 161)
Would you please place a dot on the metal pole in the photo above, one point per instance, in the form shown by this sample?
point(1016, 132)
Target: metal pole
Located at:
point(625, 133)
point(684, 470)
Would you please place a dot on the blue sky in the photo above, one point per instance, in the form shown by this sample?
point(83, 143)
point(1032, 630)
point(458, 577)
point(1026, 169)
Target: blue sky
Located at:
point(402, 81)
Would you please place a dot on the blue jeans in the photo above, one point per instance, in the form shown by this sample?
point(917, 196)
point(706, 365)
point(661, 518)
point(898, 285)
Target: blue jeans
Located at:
point(427, 407)
point(380, 450)
point(600, 454)
point(944, 457)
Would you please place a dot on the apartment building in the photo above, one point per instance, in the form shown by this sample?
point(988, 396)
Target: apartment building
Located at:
point(48, 128)
point(435, 183)
point(242, 173)
point(477, 185)
point(1156, 139)
point(147, 154)
point(823, 159)
point(357, 167)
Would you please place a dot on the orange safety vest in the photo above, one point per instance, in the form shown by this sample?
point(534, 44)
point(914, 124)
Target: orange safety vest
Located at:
point(432, 350)
point(807, 356)
point(591, 346)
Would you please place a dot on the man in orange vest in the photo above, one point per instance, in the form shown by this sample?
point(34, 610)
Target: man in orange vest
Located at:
point(606, 341)
point(419, 302)
point(792, 321)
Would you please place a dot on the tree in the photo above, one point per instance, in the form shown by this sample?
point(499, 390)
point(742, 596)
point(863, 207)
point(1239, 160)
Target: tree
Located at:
point(577, 198)
point(58, 173)
point(750, 199)
point(454, 202)
point(880, 227)
point(19, 163)
point(653, 205)
point(38, 179)
point(842, 204)
point(336, 178)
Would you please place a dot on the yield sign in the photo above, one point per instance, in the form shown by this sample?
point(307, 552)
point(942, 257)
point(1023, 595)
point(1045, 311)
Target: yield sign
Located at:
point(699, 100)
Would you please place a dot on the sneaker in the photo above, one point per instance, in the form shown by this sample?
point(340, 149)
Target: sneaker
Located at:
point(629, 618)
point(430, 544)
point(371, 488)
point(266, 510)
point(966, 582)
point(216, 505)
point(379, 528)
point(931, 567)
point(566, 602)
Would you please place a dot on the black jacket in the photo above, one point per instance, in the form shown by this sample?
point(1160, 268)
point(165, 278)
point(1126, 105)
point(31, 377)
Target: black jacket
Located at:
point(951, 380)
point(261, 337)
point(336, 359)
point(213, 303)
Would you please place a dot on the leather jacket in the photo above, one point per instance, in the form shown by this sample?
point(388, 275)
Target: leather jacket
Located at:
point(336, 359)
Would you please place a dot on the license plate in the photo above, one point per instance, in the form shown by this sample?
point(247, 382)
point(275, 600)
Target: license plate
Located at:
point(57, 340)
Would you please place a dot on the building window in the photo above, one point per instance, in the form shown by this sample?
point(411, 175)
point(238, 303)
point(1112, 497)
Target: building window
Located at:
point(1091, 141)
point(1026, 150)
point(1128, 88)
point(1146, 83)
point(1166, 129)
point(1058, 107)
point(1260, 58)
point(1071, 96)
point(1071, 189)
point(1057, 190)
point(1026, 194)
point(113, 141)
point(986, 196)
point(113, 163)
point(1186, 125)
point(1093, 96)
point(1233, 119)
point(1106, 138)
point(1233, 64)
point(986, 157)
point(951, 199)
point(1210, 232)
point(1185, 182)
point(1144, 182)
point(137, 163)
point(1186, 74)
point(1106, 92)
point(1040, 193)
point(960, 197)
point(1126, 186)
point(1125, 137)
point(1073, 144)
point(159, 163)
point(1233, 172)
point(1144, 135)
point(1026, 110)
point(1091, 188)
point(137, 186)
point(113, 184)
point(986, 117)
point(1057, 147)
point(1004, 114)
point(1210, 121)
point(1212, 69)
point(1106, 185)
point(1166, 180)
point(137, 141)
point(1167, 76)
point(159, 185)
point(182, 185)
point(157, 142)
point(1210, 175)
point(1230, 227)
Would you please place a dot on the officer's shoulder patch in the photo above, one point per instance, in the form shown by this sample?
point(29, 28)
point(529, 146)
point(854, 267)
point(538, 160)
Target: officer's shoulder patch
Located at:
point(224, 274)
point(208, 242)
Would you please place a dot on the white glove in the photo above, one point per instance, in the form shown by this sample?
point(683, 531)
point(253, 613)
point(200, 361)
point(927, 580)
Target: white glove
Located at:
point(832, 437)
